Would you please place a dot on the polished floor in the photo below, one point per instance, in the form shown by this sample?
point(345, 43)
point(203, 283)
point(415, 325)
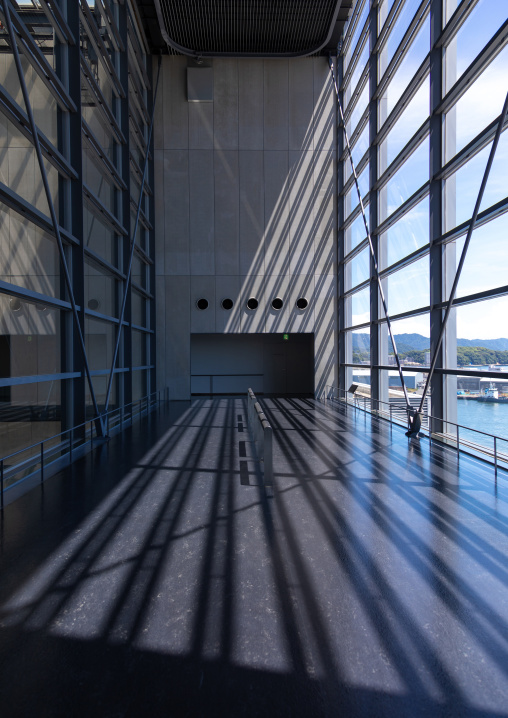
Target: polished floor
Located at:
point(158, 577)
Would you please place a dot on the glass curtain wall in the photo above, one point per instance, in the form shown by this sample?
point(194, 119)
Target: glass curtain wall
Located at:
point(87, 71)
point(423, 84)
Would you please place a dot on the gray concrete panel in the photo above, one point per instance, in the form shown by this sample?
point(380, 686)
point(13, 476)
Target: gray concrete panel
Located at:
point(201, 188)
point(252, 286)
point(325, 329)
point(159, 200)
point(299, 320)
point(252, 212)
point(227, 321)
point(227, 199)
point(276, 320)
point(177, 335)
point(225, 105)
point(301, 103)
point(250, 103)
point(302, 204)
point(200, 125)
point(325, 224)
point(176, 112)
point(176, 212)
point(324, 106)
point(158, 125)
point(276, 212)
point(276, 105)
point(202, 320)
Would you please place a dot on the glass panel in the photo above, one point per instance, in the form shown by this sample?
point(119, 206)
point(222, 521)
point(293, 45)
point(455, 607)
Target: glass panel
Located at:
point(407, 235)
point(138, 309)
point(478, 107)
point(481, 330)
point(483, 22)
point(351, 199)
point(357, 73)
point(99, 341)
point(404, 183)
point(100, 290)
point(29, 257)
point(397, 33)
point(409, 288)
point(484, 267)
point(358, 29)
point(461, 189)
point(358, 269)
point(99, 238)
point(406, 72)
point(359, 149)
point(358, 308)
point(97, 179)
point(29, 338)
point(358, 111)
point(408, 123)
point(355, 233)
point(29, 413)
point(139, 272)
point(139, 353)
point(358, 347)
point(139, 384)
point(96, 121)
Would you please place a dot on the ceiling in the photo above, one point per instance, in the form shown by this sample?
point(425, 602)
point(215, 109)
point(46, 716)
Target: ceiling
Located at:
point(248, 28)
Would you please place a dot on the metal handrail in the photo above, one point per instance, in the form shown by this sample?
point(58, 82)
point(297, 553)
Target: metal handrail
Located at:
point(477, 447)
point(149, 400)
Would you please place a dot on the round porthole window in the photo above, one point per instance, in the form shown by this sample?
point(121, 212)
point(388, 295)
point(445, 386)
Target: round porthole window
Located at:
point(202, 304)
point(94, 304)
point(14, 304)
point(277, 303)
point(302, 303)
point(252, 303)
point(227, 304)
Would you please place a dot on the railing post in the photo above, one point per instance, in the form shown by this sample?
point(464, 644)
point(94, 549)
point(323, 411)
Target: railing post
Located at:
point(2, 484)
point(71, 444)
point(42, 461)
point(495, 456)
point(458, 441)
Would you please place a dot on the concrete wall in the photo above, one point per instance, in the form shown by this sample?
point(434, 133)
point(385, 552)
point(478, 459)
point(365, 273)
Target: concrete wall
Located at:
point(245, 206)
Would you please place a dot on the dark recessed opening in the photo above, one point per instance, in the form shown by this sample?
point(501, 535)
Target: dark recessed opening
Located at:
point(227, 304)
point(277, 303)
point(93, 304)
point(15, 304)
point(252, 303)
point(202, 303)
point(302, 303)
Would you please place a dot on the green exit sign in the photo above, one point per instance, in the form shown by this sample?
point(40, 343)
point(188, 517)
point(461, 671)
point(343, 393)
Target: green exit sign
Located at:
point(285, 337)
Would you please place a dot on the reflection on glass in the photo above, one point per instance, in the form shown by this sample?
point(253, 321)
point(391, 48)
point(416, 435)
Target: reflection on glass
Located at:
point(139, 384)
point(409, 122)
point(99, 338)
point(407, 235)
point(410, 177)
point(98, 237)
point(139, 349)
point(482, 268)
point(100, 290)
point(478, 107)
point(138, 309)
point(360, 67)
point(358, 110)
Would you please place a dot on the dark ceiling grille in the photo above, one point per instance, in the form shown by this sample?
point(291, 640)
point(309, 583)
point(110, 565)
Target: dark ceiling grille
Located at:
point(249, 27)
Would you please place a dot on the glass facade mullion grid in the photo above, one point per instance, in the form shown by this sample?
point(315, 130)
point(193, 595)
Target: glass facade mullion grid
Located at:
point(42, 385)
point(430, 149)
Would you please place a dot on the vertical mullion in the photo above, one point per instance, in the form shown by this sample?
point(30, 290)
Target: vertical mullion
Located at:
point(341, 234)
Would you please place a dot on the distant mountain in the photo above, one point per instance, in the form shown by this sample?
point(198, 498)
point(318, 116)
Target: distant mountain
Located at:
point(408, 342)
point(496, 344)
